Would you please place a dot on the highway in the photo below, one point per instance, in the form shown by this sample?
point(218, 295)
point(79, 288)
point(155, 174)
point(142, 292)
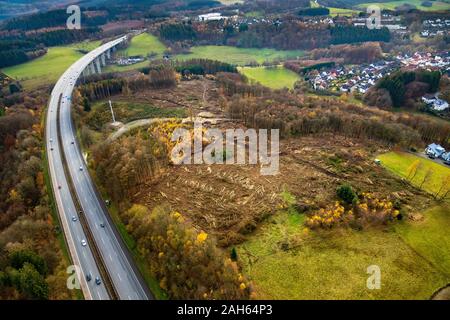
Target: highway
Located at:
point(122, 272)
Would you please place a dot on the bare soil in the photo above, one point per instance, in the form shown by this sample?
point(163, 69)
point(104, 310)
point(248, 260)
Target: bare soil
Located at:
point(230, 200)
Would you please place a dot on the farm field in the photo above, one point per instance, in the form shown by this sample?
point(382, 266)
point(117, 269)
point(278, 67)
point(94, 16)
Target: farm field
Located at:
point(335, 11)
point(86, 45)
point(272, 77)
point(437, 5)
point(399, 162)
point(332, 264)
point(342, 12)
point(49, 67)
point(144, 44)
point(238, 56)
point(430, 237)
point(141, 45)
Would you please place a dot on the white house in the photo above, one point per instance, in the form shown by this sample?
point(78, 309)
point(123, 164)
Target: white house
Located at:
point(440, 105)
point(435, 103)
point(446, 156)
point(435, 149)
point(214, 16)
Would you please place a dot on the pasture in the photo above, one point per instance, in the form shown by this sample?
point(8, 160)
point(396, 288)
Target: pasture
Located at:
point(47, 69)
point(273, 77)
point(437, 5)
point(239, 56)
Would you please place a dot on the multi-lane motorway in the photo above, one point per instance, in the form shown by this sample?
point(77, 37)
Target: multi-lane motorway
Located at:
point(63, 150)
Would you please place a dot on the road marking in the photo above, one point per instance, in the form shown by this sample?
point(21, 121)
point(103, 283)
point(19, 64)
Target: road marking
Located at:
point(119, 277)
point(110, 258)
point(103, 240)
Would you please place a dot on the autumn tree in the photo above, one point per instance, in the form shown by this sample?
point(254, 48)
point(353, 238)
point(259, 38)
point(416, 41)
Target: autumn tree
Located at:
point(413, 169)
point(187, 262)
point(444, 189)
point(427, 177)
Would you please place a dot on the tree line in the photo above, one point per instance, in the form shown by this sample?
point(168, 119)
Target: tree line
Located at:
point(50, 19)
point(203, 66)
point(291, 34)
point(399, 85)
point(21, 48)
point(300, 115)
point(312, 12)
point(354, 34)
point(186, 262)
point(31, 262)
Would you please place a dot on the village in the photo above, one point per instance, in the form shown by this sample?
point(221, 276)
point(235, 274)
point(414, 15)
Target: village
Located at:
point(435, 27)
point(359, 78)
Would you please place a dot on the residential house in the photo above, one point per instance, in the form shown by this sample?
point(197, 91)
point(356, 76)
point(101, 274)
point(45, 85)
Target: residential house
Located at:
point(446, 157)
point(435, 150)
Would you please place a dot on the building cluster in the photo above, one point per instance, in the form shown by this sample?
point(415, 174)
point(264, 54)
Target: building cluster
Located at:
point(358, 78)
point(435, 27)
point(436, 104)
point(393, 23)
point(434, 151)
point(428, 61)
point(236, 20)
point(127, 61)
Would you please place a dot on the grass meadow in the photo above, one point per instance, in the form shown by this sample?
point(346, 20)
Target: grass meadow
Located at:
point(272, 77)
point(239, 56)
point(48, 68)
point(437, 5)
point(333, 264)
point(400, 162)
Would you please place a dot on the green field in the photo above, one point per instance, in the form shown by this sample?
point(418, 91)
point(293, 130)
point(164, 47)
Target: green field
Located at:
point(335, 11)
point(430, 237)
point(86, 45)
point(141, 45)
point(125, 112)
point(238, 56)
point(144, 44)
point(286, 261)
point(342, 12)
point(272, 77)
point(399, 162)
point(48, 68)
point(437, 5)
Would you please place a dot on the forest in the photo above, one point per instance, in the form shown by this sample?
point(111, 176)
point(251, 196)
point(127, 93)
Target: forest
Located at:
point(292, 34)
point(20, 48)
point(351, 54)
point(403, 88)
point(352, 34)
point(202, 67)
point(32, 263)
point(298, 116)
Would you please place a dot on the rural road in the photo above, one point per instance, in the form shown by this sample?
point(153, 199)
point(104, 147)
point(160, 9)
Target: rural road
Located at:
point(123, 273)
